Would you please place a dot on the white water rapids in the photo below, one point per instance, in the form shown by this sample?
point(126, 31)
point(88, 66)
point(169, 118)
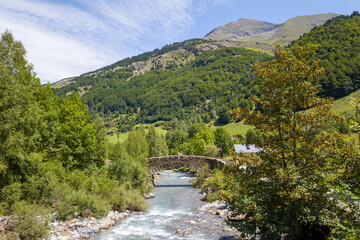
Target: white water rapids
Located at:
point(174, 213)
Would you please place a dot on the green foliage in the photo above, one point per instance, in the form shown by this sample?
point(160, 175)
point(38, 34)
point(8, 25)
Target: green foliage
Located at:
point(157, 144)
point(78, 201)
point(127, 169)
point(121, 165)
point(223, 140)
point(77, 135)
point(197, 144)
point(31, 220)
point(136, 145)
point(287, 187)
point(201, 87)
point(52, 154)
point(202, 175)
point(339, 48)
point(212, 151)
point(252, 137)
point(196, 128)
point(11, 193)
point(135, 201)
point(213, 185)
point(224, 115)
point(20, 113)
point(175, 139)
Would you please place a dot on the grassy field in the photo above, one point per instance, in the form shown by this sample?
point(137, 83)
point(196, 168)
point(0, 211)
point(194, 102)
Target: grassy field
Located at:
point(233, 128)
point(114, 138)
point(342, 105)
point(236, 128)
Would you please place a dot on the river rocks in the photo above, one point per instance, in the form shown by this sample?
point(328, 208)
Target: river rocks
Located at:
point(178, 232)
point(240, 217)
point(222, 210)
point(216, 208)
point(6, 223)
point(148, 196)
point(219, 212)
point(228, 229)
point(85, 227)
point(183, 232)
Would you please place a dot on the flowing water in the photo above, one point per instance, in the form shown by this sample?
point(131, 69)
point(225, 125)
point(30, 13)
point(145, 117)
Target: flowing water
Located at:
point(176, 212)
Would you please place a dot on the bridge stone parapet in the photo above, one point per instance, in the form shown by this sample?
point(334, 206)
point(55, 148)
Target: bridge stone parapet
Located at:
point(189, 161)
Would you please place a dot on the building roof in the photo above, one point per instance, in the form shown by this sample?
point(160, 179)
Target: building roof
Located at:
point(246, 148)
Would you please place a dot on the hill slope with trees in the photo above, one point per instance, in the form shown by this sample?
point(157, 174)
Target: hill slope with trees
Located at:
point(203, 79)
point(339, 53)
point(214, 80)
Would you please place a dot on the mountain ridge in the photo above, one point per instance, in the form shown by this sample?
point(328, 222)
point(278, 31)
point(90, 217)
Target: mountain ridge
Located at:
point(255, 35)
point(250, 30)
point(200, 80)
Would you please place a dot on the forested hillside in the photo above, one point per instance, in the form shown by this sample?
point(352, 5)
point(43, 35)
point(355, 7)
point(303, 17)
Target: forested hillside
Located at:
point(339, 53)
point(215, 80)
point(203, 79)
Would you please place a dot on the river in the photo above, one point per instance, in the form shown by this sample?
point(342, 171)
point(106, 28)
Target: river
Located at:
point(175, 213)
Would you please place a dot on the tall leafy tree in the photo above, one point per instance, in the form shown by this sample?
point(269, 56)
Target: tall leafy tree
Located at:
point(77, 135)
point(196, 128)
point(175, 139)
point(125, 169)
point(136, 145)
point(198, 143)
point(223, 140)
point(290, 185)
point(20, 114)
point(157, 144)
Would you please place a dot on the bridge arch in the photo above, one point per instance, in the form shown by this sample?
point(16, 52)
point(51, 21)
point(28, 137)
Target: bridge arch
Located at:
point(189, 161)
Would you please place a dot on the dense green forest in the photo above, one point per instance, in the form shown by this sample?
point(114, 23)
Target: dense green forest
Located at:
point(217, 79)
point(339, 54)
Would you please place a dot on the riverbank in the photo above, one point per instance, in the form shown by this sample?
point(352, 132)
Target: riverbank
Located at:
point(86, 227)
point(175, 213)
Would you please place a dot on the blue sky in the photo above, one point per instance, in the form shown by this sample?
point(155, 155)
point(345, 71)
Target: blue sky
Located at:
point(70, 37)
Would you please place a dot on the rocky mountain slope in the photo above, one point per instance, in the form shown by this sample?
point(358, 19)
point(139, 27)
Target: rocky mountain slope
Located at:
point(248, 33)
point(247, 30)
point(175, 55)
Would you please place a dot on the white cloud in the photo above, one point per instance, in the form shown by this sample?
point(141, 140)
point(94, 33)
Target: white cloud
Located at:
point(64, 39)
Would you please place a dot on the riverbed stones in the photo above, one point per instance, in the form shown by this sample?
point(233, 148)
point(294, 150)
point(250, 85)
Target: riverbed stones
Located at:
point(150, 195)
point(85, 227)
point(178, 232)
point(219, 212)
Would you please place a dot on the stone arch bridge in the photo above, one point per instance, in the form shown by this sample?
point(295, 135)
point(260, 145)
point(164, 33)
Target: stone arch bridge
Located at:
point(189, 161)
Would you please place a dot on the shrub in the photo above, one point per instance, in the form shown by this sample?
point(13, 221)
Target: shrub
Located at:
point(31, 220)
point(78, 201)
point(135, 201)
point(213, 184)
point(201, 175)
point(11, 193)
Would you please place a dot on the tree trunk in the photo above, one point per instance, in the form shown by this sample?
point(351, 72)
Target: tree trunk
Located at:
point(298, 233)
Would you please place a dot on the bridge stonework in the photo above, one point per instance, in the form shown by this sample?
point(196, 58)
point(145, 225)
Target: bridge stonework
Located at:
point(189, 161)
